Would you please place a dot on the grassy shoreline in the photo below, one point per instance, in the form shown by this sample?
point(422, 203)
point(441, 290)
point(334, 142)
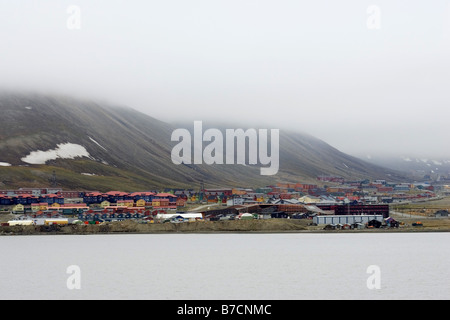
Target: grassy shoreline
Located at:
point(209, 227)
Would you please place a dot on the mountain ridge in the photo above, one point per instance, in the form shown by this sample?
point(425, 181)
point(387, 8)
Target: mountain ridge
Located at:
point(126, 145)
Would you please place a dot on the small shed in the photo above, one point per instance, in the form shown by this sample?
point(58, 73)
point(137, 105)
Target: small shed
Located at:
point(441, 214)
point(247, 216)
point(358, 225)
point(390, 222)
point(374, 223)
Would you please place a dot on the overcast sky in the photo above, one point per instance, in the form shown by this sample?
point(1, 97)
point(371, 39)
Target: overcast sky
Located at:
point(364, 76)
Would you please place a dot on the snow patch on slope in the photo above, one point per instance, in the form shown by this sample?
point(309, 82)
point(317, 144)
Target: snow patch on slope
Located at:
point(62, 150)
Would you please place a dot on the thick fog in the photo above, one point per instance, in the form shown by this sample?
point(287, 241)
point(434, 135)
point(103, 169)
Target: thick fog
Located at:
point(368, 77)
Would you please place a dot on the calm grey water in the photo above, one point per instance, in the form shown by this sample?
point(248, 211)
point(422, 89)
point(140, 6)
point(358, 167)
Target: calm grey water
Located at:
point(226, 266)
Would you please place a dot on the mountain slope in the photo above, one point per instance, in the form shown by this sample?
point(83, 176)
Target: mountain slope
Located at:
point(131, 150)
point(436, 168)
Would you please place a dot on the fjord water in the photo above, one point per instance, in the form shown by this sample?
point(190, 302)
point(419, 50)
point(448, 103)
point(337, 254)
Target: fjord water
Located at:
point(226, 266)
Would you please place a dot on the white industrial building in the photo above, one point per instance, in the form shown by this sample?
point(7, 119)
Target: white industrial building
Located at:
point(346, 219)
point(20, 223)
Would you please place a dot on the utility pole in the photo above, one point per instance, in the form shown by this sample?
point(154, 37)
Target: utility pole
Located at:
point(53, 180)
point(202, 191)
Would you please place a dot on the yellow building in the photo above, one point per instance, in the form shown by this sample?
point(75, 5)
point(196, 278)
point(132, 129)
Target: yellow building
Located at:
point(129, 203)
point(43, 206)
point(105, 204)
point(125, 203)
point(309, 199)
point(18, 208)
point(55, 205)
point(140, 203)
point(56, 221)
point(156, 203)
point(240, 192)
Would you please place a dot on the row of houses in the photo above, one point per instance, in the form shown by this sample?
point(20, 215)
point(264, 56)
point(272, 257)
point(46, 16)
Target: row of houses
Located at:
point(123, 205)
point(378, 191)
point(119, 196)
point(37, 192)
point(34, 196)
point(29, 199)
point(339, 191)
point(43, 206)
point(106, 199)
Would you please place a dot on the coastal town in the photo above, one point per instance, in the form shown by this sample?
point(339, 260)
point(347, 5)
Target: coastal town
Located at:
point(333, 202)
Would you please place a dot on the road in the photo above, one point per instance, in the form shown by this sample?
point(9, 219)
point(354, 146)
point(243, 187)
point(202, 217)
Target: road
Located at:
point(207, 206)
point(405, 215)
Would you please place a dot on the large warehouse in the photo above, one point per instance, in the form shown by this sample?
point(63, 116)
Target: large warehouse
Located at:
point(346, 219)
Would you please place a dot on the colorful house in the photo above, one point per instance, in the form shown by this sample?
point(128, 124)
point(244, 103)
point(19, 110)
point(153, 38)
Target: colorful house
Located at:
point(105, 204)
point(129, 203)
point(260, 199)
point(239, 192)
point(5, 200)
point(140, 203)
point(181, 202)
point(158, 203)
point(52, 198)
point(125, 203)
point(116, 196)
point(146, 196)
point(165, 197)
point(18, 208)
point(94, 197)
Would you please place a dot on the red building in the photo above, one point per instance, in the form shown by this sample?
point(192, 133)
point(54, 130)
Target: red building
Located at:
point(181, 202)
point(370, 209)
